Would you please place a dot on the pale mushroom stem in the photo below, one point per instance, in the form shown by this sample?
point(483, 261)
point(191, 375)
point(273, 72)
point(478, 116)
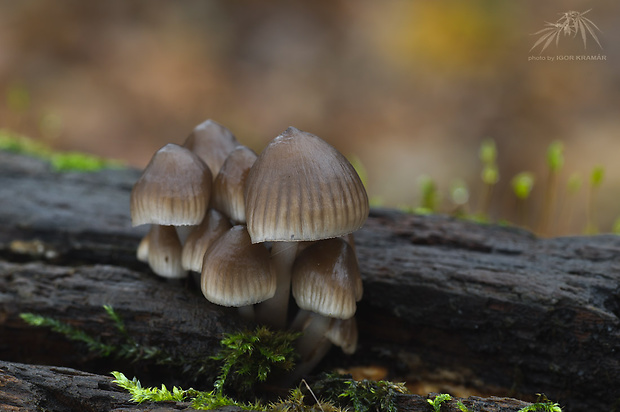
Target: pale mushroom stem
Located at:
point(313, 343)
point(246, 312)
point(274, 311)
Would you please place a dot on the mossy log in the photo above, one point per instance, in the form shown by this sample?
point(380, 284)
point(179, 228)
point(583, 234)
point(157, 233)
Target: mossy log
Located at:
point(494, 309)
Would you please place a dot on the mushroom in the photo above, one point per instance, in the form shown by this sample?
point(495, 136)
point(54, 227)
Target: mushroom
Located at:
point(326, 284)
point(212, 142)
point(339, 332)
point(229, 183)
point(201, 237)
point(326, 281)
point(164, 252)
point(174, 189)
point(236, 272)
point(300, 189)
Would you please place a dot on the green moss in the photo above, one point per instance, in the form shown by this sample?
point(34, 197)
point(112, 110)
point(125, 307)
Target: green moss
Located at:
point(361, 396)
point(201, 400)
point(93, 344)
point(438, 400)
point(250, 357)
point(59, 161)
point(127, 348)
point(542, 405)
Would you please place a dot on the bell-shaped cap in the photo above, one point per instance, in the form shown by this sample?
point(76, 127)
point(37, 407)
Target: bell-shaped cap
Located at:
point(164, 252)
point(229, 183)
point(174, 189)
point(212, 142)
point(201, 237)
point(343, 333)
point(325, 279)
point(142, 253)
point(301, 188)
point(236, 272)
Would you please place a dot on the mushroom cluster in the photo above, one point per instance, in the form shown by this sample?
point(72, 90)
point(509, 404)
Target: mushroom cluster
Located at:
point(259, 228)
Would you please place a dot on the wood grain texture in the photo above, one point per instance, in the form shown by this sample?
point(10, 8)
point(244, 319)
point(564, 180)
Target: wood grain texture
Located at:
point(493, 308)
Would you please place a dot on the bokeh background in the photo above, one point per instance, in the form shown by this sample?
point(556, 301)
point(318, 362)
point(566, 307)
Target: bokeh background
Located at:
point(408, 89)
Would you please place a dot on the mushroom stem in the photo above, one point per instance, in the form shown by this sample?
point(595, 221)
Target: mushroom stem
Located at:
point(246, 312)
point(274, 311)
point(313, 344)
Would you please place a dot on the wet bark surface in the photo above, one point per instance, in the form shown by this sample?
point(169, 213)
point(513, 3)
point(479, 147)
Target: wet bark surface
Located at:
point(488, 308)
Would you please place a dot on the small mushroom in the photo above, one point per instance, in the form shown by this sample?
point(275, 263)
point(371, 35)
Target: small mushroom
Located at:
point(319, 333)
point(325, 281)
point(300, 189)
point(236, 272)
point(164, 252)
point(174, 189)
point(229, 184)
point(201, 237)
point(212, 142)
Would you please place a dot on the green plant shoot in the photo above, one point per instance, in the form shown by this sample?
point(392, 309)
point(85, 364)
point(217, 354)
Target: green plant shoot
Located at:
point(555, 156)
point(438, 400)
point(488, 152)
point(522, 185)
point(249, 358)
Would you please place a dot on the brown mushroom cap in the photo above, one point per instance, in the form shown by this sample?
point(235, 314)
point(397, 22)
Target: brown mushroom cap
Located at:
point(229, 183)
point(201, 237)
point(174, 189)
point(325, 279)
point(164, 252)
point(301, 188)
point(236, 272)
point(343, 333)
point(212, 142)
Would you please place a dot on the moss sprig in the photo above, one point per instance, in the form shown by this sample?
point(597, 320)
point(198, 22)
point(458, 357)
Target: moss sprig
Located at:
point(542, 404)
point(250, 357)
point(201, 400)
point(438, 400)
point(128, 348)
point(94, 344)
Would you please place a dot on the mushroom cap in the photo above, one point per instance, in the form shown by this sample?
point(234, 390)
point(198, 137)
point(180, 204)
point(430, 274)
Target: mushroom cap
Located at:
point(229, 183)
point(201, 237)
point(301, 188)
point(343, 333)
point(164, 252)
point(174, 189)
point(325, 279)
point(212, 142)
point(236, 272)
point(142, 253)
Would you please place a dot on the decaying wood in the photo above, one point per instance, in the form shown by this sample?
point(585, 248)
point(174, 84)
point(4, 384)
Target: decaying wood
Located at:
point(33, 388)
point(487, 307)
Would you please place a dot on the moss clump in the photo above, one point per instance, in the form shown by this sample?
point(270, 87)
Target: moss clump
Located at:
point(361, 396)
point(250, 357)
point(201, 400)
point(59, 161)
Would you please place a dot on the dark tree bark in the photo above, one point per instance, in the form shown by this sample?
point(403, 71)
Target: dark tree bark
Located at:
point(487, 307)
point(34, 388)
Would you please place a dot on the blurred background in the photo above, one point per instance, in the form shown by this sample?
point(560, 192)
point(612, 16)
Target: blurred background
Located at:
point(408, 90)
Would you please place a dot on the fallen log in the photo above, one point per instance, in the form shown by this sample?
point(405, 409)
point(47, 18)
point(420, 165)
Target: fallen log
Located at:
point(33, 388)
point(490, 308)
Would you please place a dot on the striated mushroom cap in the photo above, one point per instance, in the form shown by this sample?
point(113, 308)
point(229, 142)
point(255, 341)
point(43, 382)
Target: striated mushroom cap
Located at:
point(229, 183)
point(212, 142)
point(201, 238)
point(174, 189)
point(236, 272)
point(326, 279)
point(301, 188)
point(164, 252)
